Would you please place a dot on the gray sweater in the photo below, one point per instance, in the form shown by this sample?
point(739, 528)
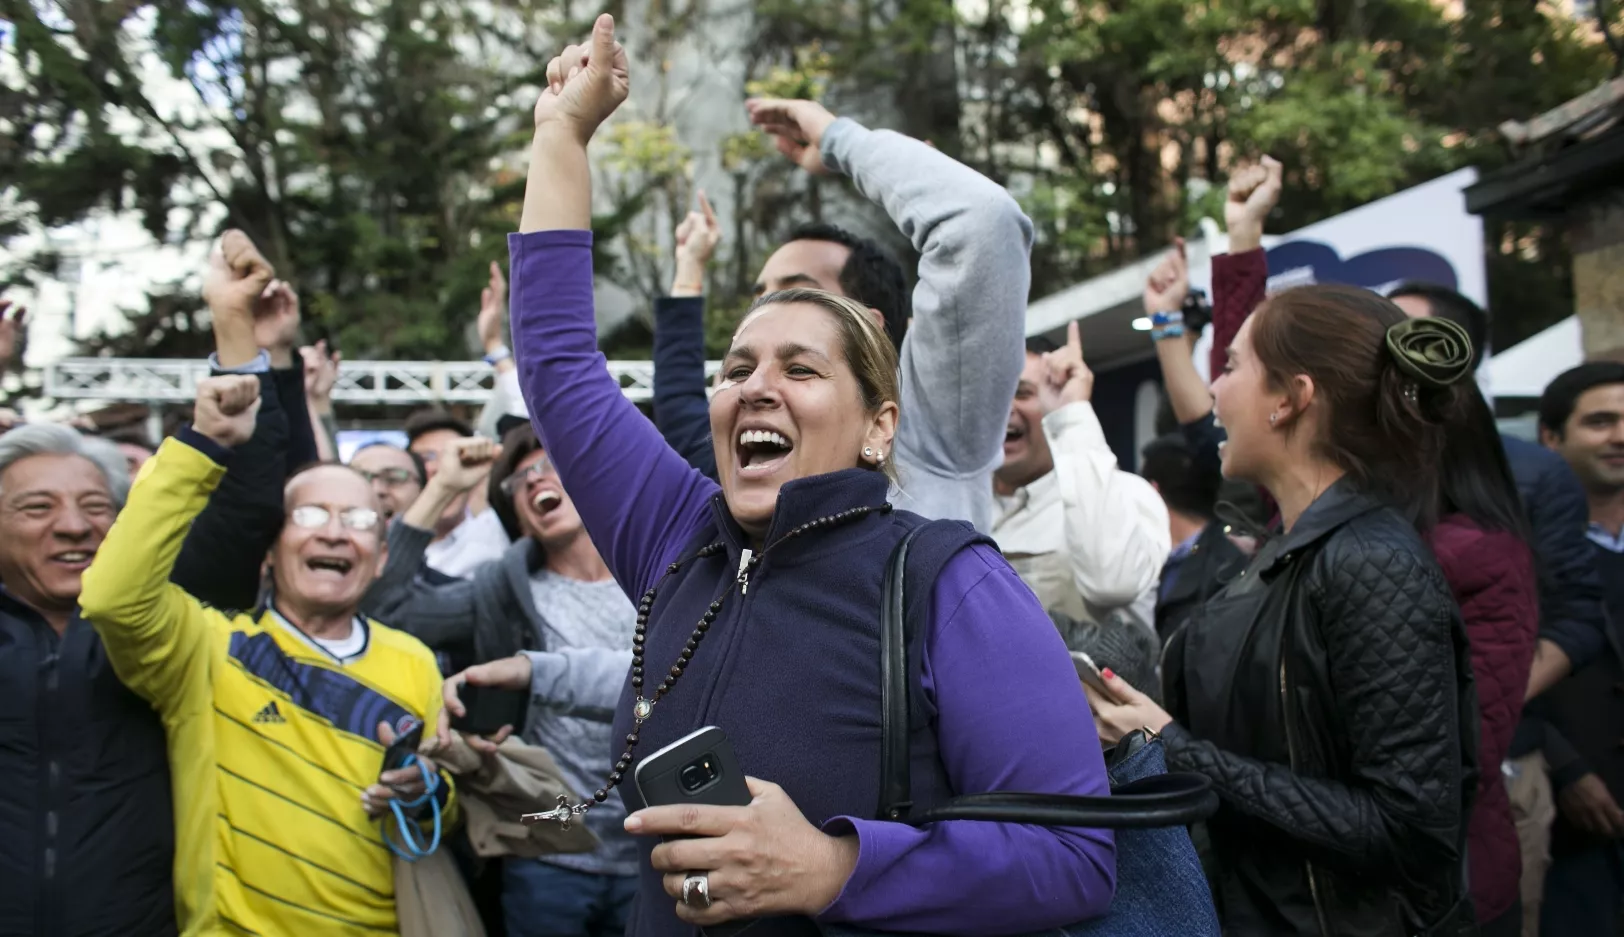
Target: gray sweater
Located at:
point(964, 351)
point(577, 673)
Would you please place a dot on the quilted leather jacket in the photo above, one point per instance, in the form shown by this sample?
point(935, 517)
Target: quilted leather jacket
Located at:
point(1327, 692)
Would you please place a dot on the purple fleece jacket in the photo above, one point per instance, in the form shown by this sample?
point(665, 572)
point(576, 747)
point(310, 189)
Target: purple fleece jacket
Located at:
point(1012, 715)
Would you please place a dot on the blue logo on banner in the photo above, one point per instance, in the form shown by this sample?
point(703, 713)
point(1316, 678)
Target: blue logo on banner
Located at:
point(1299, 263)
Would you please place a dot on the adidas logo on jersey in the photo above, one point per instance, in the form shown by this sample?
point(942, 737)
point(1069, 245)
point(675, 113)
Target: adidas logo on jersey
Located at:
point(270, 714)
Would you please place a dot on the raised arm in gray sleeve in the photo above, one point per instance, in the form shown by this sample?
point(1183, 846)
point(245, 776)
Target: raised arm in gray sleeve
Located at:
point(965, 347)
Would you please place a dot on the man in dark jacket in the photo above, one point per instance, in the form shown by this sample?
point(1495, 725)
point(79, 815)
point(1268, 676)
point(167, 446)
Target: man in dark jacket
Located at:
point(86, 843)
point(1203, 556)
point(1581, 416)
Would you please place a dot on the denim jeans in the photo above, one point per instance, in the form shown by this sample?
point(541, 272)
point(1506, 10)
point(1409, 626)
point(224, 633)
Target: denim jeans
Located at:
point(541, 900)
point(1582, 893)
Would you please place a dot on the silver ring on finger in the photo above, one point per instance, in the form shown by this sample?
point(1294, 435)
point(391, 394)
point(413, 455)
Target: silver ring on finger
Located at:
point(696, 890)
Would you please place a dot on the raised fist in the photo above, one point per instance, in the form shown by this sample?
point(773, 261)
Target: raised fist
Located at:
point(797, 128)
point(585, 83)
point(1253, 193)
point(226, 408)
point(239, 275)
point(465, 463)
point(1169, 283)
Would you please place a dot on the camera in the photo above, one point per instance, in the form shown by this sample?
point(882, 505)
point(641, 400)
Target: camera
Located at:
point(698, 774)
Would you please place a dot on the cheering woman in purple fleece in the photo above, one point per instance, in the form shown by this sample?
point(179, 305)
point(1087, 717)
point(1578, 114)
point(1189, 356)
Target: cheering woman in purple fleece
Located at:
point(759, 608)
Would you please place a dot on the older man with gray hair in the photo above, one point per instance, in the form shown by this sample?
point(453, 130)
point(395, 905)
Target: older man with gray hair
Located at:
point(86, 836)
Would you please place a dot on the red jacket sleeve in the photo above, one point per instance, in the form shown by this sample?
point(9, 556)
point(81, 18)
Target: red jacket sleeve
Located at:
point(1491, 574)
point(1238, 282)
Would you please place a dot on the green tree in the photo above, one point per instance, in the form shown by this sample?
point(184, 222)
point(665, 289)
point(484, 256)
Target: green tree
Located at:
point(367, 147)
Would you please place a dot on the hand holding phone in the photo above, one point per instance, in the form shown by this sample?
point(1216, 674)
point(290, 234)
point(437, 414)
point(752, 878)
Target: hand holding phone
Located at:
point(408, 737)
point(1090, 674)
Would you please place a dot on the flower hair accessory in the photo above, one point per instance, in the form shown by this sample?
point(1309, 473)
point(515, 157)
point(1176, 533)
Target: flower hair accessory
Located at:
point(1431, 351)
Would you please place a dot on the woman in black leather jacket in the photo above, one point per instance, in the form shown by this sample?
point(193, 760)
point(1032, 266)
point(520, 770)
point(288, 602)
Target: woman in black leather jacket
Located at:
point(1327, 691)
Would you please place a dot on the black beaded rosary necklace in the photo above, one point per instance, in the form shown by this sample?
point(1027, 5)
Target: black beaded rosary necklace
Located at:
point(644, 706)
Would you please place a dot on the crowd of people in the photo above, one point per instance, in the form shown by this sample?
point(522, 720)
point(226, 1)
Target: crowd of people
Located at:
point(241, 676)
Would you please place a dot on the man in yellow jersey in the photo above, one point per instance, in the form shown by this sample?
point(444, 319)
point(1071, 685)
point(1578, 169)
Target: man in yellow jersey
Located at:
point(277, 721)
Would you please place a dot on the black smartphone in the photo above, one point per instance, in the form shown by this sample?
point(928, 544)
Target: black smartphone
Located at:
point(408, 737)
point(700, 768)
point(490, 708)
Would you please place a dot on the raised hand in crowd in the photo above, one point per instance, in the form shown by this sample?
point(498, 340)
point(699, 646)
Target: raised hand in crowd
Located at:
point(697, 237)
point(276, 323)
point(507, 673)
point(320, 375)
point(585, 83)
point(1169, 283)
point(1066, 378)
point(492, 322)
point(226, 408)
point(12, 323)
point(238, 278)
point(796, 127)
point(463, 464)
point(1253, 193)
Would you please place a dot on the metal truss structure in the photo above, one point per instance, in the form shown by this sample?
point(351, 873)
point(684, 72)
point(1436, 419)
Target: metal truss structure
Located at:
point(398, 383)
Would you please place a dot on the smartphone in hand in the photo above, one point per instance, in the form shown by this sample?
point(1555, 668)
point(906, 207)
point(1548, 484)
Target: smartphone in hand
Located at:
point(408, 738)
point(700, 768)
point(1090, 674)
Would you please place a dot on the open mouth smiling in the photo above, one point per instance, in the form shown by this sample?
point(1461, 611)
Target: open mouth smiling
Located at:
point(760, 452)
point(329, 566)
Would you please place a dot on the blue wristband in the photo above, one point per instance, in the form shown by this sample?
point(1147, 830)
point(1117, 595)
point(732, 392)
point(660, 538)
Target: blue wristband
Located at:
point(1176, 330)
point(1166, 318)
point(501, 354)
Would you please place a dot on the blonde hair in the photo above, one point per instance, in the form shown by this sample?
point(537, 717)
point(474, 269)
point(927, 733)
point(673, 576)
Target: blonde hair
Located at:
point(867, 349)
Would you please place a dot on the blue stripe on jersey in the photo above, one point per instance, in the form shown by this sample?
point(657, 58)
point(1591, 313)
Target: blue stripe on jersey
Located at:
point(350, 706)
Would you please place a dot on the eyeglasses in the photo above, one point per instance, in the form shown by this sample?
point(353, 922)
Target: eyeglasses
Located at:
point(314, 516)
point(511, 484)
point(392, 477)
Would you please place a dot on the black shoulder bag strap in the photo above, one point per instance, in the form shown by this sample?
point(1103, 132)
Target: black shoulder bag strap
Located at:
point(1173, 799)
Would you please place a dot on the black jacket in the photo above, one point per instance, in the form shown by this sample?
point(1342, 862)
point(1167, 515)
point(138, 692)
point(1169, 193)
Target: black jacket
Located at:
point(1212, 563)
point(1587, 709)
point(1570, 591)
point(86, 827)
point(1327, 692)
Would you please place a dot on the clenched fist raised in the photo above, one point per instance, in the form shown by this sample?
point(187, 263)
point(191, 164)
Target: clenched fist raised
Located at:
point(226, 408)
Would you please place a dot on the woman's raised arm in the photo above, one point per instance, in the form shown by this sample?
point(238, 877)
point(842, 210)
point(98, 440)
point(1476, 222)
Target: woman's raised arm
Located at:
point(639, 500)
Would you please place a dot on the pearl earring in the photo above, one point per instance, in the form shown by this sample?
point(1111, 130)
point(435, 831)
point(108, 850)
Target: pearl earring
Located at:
point(1272, 418)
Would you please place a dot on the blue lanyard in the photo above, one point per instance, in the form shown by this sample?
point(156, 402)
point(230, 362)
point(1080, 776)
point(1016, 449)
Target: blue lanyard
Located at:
point(410, 847)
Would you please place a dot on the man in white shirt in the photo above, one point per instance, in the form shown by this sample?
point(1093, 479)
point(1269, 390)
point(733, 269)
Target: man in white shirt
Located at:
point(469, 534)
point(1087, 537)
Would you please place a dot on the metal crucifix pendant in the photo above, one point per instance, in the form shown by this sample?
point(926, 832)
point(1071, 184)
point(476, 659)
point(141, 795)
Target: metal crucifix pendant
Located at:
point(563, 813)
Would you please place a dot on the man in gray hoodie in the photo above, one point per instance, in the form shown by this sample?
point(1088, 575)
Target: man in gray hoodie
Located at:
point(961, 343)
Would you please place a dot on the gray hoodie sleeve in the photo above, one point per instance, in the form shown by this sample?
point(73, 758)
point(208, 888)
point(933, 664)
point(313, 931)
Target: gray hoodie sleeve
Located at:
point(964, 350)
point(437, 615)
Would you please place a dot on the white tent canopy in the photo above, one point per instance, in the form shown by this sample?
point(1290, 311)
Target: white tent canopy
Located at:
point(1524, 369)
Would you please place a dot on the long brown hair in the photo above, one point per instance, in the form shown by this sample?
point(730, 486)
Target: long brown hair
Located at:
point(1381, 426)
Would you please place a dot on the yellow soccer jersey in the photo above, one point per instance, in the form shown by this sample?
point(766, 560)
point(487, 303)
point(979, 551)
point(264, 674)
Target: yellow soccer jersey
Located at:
point(271, 740)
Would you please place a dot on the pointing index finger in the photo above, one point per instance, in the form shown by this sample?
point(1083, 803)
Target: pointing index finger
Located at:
point(705, 206)
point(1074, 338)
